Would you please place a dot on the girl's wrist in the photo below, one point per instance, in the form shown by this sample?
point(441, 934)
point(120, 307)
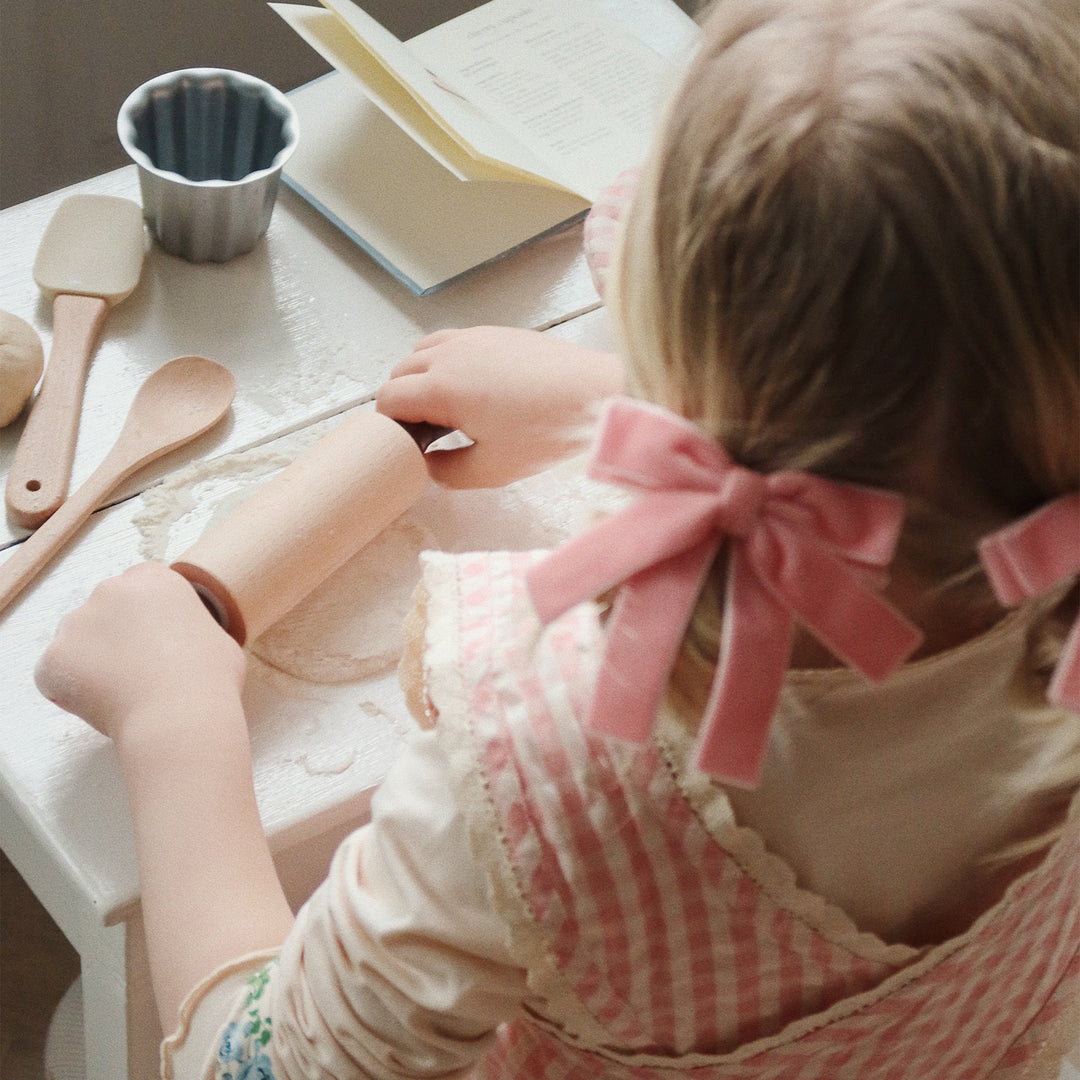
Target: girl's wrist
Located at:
point(170, 736)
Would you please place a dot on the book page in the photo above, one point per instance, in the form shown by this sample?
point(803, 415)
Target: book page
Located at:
point(471, 128)
point(332, 40)
point(559, 76)
point(386, 193)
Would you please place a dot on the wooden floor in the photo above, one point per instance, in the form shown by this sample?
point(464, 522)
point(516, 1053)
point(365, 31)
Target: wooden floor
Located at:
point(37, 965)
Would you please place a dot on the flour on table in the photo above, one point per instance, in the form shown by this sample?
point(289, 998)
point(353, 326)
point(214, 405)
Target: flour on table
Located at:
point(177, 511)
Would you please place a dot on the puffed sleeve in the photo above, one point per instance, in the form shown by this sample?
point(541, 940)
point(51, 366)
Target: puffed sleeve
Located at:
point(398, 966)
point(603, 225)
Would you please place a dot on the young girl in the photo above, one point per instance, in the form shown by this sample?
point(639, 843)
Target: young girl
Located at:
point(758, 779)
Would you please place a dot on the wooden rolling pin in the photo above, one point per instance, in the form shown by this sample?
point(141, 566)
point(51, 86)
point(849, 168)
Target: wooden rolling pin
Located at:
point(298, 528)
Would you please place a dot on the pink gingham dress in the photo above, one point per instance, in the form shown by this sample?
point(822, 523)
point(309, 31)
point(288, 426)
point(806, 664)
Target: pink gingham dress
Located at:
point(662, 938)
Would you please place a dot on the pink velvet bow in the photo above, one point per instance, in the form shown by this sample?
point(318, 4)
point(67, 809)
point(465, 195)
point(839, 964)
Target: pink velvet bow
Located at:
point(800, 547)
point(1028, 558)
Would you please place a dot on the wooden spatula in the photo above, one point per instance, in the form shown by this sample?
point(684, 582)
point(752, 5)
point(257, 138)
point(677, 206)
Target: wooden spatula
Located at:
point(89, 260)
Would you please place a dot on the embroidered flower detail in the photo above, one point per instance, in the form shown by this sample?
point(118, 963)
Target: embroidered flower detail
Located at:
point(231, 1045)
point(242, 1051)
point(257, 1069)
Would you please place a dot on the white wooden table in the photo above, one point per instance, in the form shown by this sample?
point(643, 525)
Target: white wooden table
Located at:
point(310, 327)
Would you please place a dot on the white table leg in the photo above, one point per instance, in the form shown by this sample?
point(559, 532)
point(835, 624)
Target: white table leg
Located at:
point(104, 984)
point(120, 1022)
point(143, 1029)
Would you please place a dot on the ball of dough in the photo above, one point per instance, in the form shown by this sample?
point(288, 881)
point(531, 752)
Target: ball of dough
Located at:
point(22, 360)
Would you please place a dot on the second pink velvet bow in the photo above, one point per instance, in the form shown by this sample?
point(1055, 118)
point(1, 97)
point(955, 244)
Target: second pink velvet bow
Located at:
point(1030, 557)
point(800, 547)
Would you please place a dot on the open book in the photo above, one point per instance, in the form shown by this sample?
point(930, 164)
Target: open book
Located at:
point(452, 149)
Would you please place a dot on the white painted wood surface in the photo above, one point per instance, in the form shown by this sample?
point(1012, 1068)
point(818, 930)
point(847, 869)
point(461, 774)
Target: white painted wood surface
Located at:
point(309, 327)
point(307, 323)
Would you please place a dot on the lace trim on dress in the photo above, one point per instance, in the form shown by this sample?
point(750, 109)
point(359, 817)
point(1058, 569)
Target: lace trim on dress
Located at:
point(247, 965)
point(526, 940)
point(773, 874)
point(562, 1013)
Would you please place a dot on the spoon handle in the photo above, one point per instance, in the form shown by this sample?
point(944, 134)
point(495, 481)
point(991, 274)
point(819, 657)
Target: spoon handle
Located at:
point(37, 482)
point(43, 544)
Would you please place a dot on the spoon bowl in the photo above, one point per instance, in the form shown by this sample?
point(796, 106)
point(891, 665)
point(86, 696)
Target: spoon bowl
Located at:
point(175, 404)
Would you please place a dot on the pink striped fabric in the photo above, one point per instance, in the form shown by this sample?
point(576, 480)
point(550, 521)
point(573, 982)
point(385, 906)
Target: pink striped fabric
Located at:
point(680, 956)
point(602, 226)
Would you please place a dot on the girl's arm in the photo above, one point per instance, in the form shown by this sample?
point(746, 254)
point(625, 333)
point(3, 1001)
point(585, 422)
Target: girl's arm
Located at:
point(525, 399)
point(145, 664)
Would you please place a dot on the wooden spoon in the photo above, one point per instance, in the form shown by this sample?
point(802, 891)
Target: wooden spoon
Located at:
point(90, 259)
point(176, 403)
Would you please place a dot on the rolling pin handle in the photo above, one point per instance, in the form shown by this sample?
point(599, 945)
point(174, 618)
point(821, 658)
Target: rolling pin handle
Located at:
point(295, 531)
point(212, 604)
point(423, 433)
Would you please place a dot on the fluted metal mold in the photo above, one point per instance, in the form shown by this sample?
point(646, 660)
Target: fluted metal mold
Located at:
point(210, 145)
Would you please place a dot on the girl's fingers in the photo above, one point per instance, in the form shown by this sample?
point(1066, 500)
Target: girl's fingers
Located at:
point(408, 398)
point(414, 364)
point(419, 359)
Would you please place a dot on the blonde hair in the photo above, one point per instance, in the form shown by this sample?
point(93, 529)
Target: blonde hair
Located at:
point(855, 251)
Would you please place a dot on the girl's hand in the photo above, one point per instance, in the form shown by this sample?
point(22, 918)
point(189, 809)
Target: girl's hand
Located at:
point(525, 399)
point(143, 646)
point(144, 662)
